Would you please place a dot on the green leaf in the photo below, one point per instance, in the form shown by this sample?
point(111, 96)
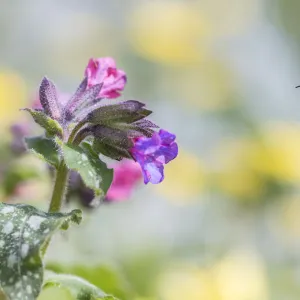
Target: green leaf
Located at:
point(79, 288)
point(44, 148)
point(105, 276)
point(23, 230)
point(55, 293)
point(51, 126)
point(87, 163)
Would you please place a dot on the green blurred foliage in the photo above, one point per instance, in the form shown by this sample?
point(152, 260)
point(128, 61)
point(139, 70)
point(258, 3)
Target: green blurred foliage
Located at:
point(104, 277)
point(18, 172)
point(55, 293)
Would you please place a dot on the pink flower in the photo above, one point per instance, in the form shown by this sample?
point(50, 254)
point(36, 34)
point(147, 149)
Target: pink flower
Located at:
point(104, 70)
point(126, 175)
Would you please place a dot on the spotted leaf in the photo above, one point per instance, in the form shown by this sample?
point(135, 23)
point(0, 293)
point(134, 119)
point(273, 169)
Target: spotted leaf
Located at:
point(44, 148)
point(79, 288)
point(23, 231)
point(94, 172)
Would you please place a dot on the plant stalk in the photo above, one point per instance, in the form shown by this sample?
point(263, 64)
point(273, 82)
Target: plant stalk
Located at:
point(58, 195)
point(75, 130)
point(59, 188)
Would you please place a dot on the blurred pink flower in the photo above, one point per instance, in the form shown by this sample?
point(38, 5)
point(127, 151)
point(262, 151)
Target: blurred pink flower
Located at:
point(104, 70)
point(126, 175)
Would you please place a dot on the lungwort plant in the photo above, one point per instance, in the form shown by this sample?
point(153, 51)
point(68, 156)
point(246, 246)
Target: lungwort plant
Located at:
point(78, 133)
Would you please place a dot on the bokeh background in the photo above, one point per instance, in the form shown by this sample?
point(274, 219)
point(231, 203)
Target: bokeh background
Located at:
point(221, 74)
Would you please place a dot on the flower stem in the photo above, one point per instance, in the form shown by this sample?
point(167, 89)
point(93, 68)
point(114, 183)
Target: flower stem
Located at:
point(59, 188)
point(75, 130)
point(58, 195)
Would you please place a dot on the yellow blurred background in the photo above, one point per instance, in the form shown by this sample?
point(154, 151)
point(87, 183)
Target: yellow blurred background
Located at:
point(221, 74)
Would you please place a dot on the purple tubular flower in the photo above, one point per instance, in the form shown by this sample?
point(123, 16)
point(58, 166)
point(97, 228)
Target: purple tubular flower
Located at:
point(152, 153)
point(103, 70)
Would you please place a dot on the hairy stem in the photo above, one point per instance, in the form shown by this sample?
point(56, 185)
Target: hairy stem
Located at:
point(59, 188)
point(75, 130)
point(80, 137)
point(58, 195)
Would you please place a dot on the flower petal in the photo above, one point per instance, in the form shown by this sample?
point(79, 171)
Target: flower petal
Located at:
point(152, 153)
point(126, 175)
point(104, 70)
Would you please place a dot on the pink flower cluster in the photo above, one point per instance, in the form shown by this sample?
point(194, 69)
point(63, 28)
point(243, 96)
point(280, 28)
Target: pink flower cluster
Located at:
point(126, 173)
point(152, 152)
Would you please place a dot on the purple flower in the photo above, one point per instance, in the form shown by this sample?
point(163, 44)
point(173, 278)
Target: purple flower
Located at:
point(152, 153)
point(104, 70)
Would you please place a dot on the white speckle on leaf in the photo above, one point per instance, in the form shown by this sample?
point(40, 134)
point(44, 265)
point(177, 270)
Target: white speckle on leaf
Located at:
point(46, 230)
point(28, 289)
point(16, 234)
point(91, 174)
point(7, 209)
point(2, 243)
point(24, 250)
point(19, 295)
point(35, 222)
point(8, 228)
point(11, 260)
point(26, 234)
point(84, 157)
